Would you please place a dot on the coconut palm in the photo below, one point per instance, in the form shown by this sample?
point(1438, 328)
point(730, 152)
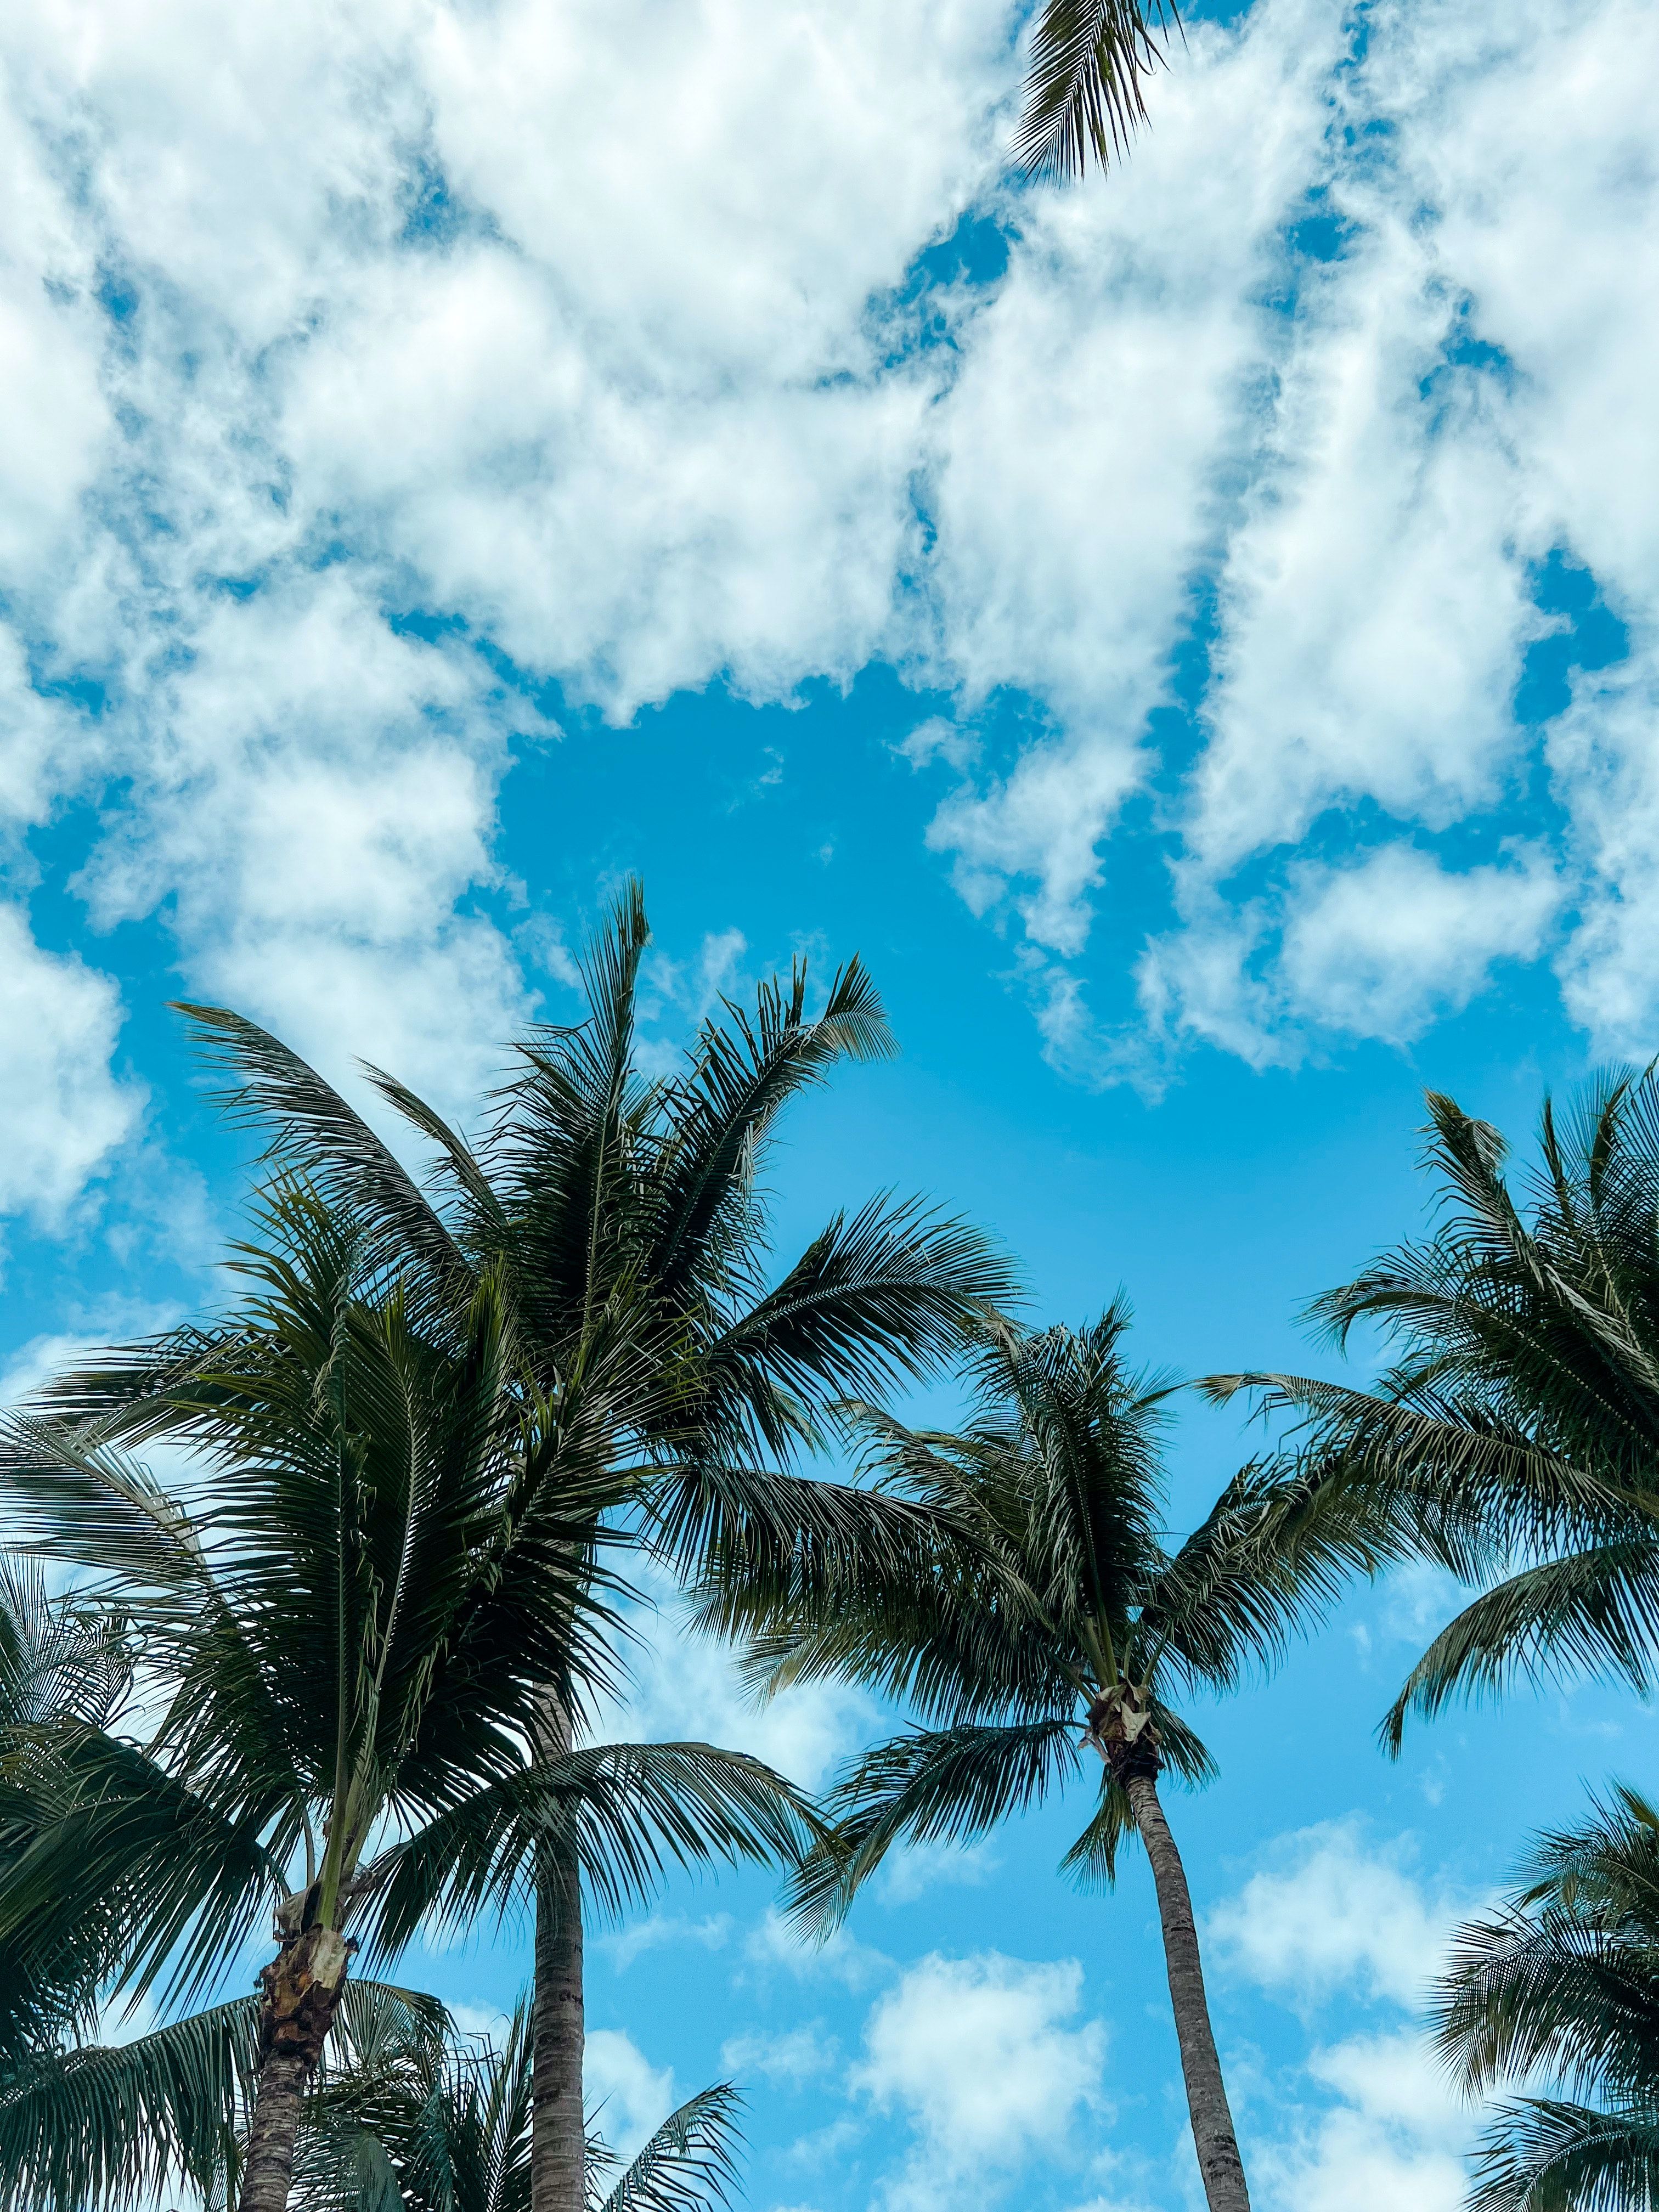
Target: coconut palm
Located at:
point(1086, 84)
point(1052, 1620)
point(449, 2129)
point(81, 2124)
point(603, 1203)
point(85, 2124)
point(1516, 1432)
point(385, 1568)
point(1563, 1981)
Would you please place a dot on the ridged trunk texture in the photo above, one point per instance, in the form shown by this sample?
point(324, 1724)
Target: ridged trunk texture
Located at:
point(558, 2149)
point(1219, 2162)
point(299, 1993)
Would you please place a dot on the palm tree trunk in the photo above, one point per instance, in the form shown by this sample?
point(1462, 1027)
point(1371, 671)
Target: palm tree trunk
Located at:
point(558, 2142)
point(558, 2151)
point(1219, 2164)
point(301, 1991)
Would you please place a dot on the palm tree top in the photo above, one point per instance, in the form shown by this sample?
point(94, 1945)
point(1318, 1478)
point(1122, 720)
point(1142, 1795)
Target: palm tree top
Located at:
point(615, 1200)
point(1036, 1603)
point(1513, 1433)
point(1558, 1983)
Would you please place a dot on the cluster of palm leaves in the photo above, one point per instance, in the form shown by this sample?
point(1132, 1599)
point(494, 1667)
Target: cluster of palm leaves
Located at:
point(1514, 1436)
point(342, 1582)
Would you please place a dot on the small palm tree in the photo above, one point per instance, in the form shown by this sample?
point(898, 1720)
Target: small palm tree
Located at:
point(1051, 1619)
point(1564, 1981)
point(1515, 1434)
point(449, 2129)
point(1086, 85)
point(85, 2124)
point(602, 1204)
point(351, 1632)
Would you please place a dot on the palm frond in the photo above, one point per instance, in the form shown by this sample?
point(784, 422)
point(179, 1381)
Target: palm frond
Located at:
point(1275, 1552)
point(1084, 89)
point(310, 1130)
point(946, 1785)
point(1591, 1612)
point(104, 2127)
point(691, 2164)
point(631, 1812)
point(1541, 2154)
point(884, 1294)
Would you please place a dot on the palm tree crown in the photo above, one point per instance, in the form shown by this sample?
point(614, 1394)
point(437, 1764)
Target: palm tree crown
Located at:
point(411, 2124)
point(1514, 1436)
point(1563, 1980)
point(599, 1259)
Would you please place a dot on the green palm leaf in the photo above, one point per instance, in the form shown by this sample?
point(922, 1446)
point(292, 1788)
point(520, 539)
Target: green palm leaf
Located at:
point(690, 2165)
point(1561, 1981)
point(1540, 2154)
point(106, 2126)
point(631, 1814)
point(1085, 91)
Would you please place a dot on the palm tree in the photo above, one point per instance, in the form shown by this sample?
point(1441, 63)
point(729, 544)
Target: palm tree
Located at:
point(83, 2123)
point(1052, 1617)
point(1515, 1433)
point(603, 1206)
point(1085, 83)
point(1564, 1980)
point(448, 2129)
point(350, 1631)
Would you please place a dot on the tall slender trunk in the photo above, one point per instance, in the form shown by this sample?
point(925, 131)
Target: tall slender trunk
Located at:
point(299, 1993)
point(558, 2146)
point(1219, 2162)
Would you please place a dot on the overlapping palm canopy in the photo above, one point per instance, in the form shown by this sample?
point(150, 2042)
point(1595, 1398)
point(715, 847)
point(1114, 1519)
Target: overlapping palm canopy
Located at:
point(379, 1559)
point(407, 2124)
point(408, 1466)
point(84, 2122)
point(623, 1216)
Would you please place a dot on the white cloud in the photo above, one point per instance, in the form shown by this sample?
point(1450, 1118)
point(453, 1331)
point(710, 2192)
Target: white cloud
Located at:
point(312, 340)
point(795, 2055)
point(1372, 2125)
point(665, 440)
point(1377, 948)
point(1331, 1912)
point(938, 739)
point(1430, 420)
point(1372, 609)
point(1604, 753)
point(1079, 448)
point(627, 2097)
point(1395, 2141)
point(686, 1688)
point(982, 2056)
point(912, 1872)
point(775, 1942)
point(623, 1945)
point(63, 1112)
point(1045, 820)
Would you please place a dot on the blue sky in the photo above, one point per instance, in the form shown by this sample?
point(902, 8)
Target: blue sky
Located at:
point(1194, 635)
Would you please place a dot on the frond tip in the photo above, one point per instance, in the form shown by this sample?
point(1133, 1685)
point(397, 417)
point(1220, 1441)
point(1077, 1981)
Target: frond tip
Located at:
point(1085, 87)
